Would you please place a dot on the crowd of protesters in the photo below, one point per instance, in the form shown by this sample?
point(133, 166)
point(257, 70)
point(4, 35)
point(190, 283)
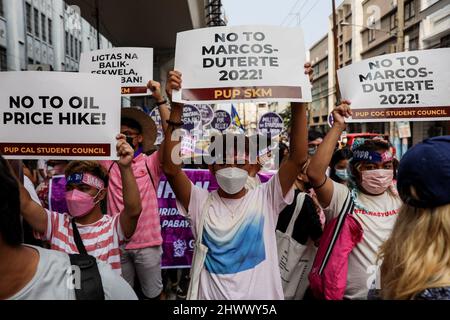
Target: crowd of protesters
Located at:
point(398, 241)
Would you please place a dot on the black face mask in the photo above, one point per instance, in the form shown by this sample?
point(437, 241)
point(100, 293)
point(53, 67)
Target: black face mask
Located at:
point(130, 141)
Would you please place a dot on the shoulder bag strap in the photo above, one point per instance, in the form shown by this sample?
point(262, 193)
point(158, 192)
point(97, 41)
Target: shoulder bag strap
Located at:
point(150, 175)
point(77, 238)
point(298, 207)
point(346, 208)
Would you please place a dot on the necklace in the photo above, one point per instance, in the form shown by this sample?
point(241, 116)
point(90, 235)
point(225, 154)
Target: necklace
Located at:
point(226, 206)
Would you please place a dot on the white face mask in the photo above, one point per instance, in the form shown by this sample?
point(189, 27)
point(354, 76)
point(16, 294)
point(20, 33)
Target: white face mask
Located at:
point(252, 182)
point(231, 180)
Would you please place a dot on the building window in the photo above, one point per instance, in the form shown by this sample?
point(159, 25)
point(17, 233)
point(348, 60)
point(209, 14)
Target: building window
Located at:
point(79, 48)
point(36, 23)
point(1, 8)
point(50, 30)
point(3, 62)
point(409, 10)
point(371, 35)
point(393, 21)
point(316, 70)
point(76, 49)
point(445, 42)
point(414, 44)
point(28, 13)
point(67, 43)
point(71, 46)
point(43, 28)
point(348, 49)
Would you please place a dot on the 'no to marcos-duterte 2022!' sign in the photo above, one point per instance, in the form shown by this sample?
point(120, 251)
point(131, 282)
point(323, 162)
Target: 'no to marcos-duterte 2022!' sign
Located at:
point(246, 63)
point(178, 241)
point(58, 115)
point(134, 67)
point(408, 86)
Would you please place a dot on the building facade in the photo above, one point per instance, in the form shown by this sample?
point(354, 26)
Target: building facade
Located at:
point(44, 32)
point(368, 28)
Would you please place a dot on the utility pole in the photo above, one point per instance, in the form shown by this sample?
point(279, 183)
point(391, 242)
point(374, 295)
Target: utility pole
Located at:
point(400, 25)
point(335, 45)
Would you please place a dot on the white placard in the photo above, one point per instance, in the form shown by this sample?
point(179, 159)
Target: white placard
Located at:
point(408, 86)
point(244, 63)
point(58, 115)
point(134, 66)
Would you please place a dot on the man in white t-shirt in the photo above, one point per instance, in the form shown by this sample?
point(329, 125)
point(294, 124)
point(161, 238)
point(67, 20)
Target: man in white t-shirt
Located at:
point(373, 192)
point(238, 242)
point(33, 273)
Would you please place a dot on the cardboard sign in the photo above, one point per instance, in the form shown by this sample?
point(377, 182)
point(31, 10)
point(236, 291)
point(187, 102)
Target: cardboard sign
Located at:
point(271, 124)
point(409, 86)
point(134, 66)
point(245, 63)
point(221, 121)
point(58, 115)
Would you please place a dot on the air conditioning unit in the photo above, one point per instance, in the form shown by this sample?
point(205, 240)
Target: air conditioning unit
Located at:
point(371, 21)
point(393, 4)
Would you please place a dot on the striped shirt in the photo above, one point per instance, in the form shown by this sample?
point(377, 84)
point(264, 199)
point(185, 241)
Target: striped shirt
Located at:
point(102, 239)
point(148, 229)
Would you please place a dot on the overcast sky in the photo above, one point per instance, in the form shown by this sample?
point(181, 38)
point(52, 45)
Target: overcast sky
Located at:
point(313, 15)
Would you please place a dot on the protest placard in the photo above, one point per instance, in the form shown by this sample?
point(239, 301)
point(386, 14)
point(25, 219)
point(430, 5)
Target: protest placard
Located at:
point(207, 113)
point(244, 63)
point(221, 120)
point(192, 118)
point(178, 241)
point(409, 86)
point(58, 115)
point(271, 124)
point(134, 66)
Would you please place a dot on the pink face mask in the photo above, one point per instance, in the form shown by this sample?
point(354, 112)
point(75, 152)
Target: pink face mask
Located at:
point(80, 203)
point(377, 181)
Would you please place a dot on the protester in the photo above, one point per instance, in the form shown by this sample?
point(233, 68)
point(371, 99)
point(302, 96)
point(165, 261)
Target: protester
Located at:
point(33, 273)
point(238, 243)
point(315, 138)
point(101, 235)
point(141, 256)
point(373, 193)
point(339, 171)
point(416, 257)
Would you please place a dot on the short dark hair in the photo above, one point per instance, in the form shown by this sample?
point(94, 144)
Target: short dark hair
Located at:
point(314, 135)
point(131, 123)
point(341, 154)
point(10, 226)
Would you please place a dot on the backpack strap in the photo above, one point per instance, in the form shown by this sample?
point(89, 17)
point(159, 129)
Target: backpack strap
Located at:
point(150, 175)
point(77, 238)
point(346, 208)
point(91, 287)
point(90, 284)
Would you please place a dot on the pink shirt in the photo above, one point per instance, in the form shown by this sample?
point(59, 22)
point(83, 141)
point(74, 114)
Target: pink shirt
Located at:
point(148, 230)
point(102, 239)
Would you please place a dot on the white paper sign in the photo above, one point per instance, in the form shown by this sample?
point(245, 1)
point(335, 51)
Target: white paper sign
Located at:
point(409, 86)
point(245, 63)
point(58, 115)
point(134, 66)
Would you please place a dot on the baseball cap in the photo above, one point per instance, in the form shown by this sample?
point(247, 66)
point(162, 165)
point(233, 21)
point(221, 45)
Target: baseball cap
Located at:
point(426, 167)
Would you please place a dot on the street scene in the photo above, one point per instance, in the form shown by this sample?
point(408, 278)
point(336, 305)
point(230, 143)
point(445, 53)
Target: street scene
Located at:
point(225, 150)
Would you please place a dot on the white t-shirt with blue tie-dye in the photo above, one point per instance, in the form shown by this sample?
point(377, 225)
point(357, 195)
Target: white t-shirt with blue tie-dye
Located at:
point(242, 259)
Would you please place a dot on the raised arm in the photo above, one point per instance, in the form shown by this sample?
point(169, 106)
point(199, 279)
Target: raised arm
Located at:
point(131, 196)
point(180, 183)
point(33, 213)
point(321, 159)
point(298, 154)
point(163, 108)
